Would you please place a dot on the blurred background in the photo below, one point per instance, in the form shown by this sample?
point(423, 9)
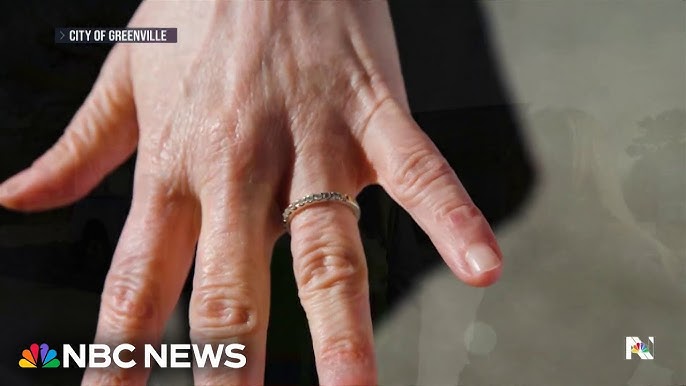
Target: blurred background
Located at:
point(566, 121)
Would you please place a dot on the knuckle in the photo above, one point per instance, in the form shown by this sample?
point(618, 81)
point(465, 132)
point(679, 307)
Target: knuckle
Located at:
point(417, 171)
point(234, 137)
point(221, 312)
point(75, 141)
point(71, 146)
point(360, 87)
point(326, 266)
point(225, 137)
point(128, 302)
point(462, 216)
point(235, 156)
point(164, 153)
point(382, 103)
point(345, 349)
point(165, 174)
point(109, 101)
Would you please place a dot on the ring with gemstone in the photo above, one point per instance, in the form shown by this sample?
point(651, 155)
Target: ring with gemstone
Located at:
point(318, 198)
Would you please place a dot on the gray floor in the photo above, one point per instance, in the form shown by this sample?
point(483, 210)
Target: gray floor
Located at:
point(598, 253)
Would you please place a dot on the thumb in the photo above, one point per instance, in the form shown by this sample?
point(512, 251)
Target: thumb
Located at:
point(100, 137)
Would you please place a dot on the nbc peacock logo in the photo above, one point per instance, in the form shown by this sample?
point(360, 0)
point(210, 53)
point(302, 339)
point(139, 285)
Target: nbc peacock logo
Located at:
point(39, 356)
point(639, 348)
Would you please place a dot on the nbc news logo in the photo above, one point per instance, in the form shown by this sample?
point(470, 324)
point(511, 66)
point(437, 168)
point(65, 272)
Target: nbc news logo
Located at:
point(635, 346)
point(167, 355)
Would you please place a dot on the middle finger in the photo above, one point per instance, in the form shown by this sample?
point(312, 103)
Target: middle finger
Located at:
point(230, 300)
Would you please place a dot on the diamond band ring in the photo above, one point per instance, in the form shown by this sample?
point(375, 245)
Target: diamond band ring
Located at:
point(318, 198)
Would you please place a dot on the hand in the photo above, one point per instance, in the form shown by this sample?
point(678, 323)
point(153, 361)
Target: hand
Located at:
point(258, 105)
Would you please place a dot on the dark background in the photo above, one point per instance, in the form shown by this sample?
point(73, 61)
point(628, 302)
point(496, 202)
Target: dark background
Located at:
point(456, 96)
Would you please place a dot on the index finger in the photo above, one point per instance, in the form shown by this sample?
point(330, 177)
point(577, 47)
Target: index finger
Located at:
point(414, 173)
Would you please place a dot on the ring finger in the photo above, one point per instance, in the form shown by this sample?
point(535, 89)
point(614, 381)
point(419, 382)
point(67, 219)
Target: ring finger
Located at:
point(331, 273)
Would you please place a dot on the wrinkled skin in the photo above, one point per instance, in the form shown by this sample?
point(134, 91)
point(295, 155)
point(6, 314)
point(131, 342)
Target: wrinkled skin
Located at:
point(259, 104)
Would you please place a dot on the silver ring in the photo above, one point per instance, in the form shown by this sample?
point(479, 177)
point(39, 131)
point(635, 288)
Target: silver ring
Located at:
point(318, 198)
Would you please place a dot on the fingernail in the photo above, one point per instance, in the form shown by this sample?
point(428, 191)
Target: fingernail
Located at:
point(482, 258)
